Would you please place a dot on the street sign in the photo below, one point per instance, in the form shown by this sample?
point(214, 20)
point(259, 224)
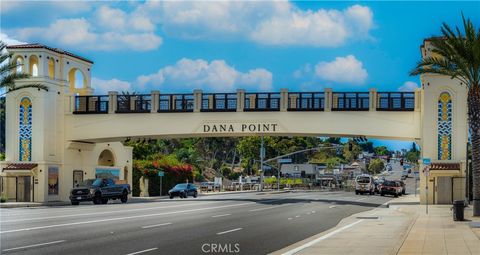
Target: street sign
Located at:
point(161, 173)
point(285, 160)
point(265, 167)
point(426, 161)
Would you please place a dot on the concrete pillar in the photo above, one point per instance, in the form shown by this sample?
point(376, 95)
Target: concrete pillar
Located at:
point(197, 100)
point(143, 186)
point(373, 99)
point(293, 99)
point(240, 100)
point(112, 101)
point(328, 99)
point(418, 100)
point(283, 100)
point(210, 101)
point(71, 104)
point(154, 100)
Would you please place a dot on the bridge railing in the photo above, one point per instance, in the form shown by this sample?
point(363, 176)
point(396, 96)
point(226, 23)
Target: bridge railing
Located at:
point(219, 102)
point(262, 102)
point(91, 104)
point(350, 101)
point(176, 103)
point(134, 103)
point(395, 101)
point(306, 101)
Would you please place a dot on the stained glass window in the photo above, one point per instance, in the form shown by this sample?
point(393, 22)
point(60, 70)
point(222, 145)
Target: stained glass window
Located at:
point(25, 129)
point(445, 126)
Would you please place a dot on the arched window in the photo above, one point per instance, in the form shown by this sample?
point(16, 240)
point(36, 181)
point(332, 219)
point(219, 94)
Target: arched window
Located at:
point(106, 158)
point(51, 68)
point(25, 130)
point(76, 78)
point(445, 126)
point(19, 61)
point(33, 65)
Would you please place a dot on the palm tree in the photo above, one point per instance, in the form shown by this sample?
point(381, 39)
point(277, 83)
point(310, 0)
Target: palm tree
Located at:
point(460, 59)
point(9, 76)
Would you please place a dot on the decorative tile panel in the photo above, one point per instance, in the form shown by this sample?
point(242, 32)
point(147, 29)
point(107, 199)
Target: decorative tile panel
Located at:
point(25, 129)
point(444, 126)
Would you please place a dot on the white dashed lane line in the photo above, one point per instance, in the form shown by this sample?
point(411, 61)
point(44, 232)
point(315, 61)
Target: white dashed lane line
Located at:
point(138, 252)
point(228, 231)
point(221, 215)
point(33, 245)
point(157, 225)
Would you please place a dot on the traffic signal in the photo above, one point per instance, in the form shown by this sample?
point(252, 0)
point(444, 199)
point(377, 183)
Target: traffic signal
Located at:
point(401, 162)
point(350, 146)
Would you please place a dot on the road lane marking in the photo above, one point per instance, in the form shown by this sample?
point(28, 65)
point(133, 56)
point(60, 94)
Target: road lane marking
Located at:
point(157, 225)
point(228, 231)
point(332, 206)
point(33, 245)
point(122, 218)
point(289, 218)
point(147, 250)
point(360, 199)
point(221, 215)
point(297, 216)
point(95, 213)
point(294, 251)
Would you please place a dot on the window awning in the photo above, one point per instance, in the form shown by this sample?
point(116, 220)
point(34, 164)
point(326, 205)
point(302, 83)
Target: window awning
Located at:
point(445, 166)
point(20, 166)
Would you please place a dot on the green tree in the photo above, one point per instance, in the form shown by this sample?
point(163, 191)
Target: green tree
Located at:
point(413, 156)
point(381, 151)
point(376, 166)
point(352, 155)
point(9, 75)
point(457, 55)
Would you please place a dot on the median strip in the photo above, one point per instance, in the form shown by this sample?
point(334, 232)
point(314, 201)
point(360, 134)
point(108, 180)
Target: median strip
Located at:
point(33, 245)
point(228, 231)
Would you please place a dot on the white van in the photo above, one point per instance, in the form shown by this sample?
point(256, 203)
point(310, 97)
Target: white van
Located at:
point(364, 184)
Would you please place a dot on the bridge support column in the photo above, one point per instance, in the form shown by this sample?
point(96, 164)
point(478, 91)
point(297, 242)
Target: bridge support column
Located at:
point(418, 99)
point(283, 100)
point(328, 100)
point(240, 100)
point(155, 98)
point(197, 100)
point(373, 99)
point(112, 101)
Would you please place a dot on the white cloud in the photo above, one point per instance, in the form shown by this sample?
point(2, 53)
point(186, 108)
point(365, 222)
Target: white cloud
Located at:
point(217, 75)
point(271, 22)
point(110, 29)
point(343, 69)
point(408, 86)
point(9, 41)
point(103, 86)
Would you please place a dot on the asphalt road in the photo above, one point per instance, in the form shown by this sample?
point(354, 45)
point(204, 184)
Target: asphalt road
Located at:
point(246, 223)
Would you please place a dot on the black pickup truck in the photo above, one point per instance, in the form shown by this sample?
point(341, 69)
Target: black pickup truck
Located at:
point(99, 191)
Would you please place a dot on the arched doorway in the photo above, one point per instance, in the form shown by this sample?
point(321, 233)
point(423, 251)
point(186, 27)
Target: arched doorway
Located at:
point(106, 158)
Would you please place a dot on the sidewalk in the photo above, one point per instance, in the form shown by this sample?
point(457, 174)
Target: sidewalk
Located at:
point(402, 227)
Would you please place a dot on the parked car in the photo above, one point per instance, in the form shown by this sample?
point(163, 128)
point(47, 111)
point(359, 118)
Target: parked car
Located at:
point(364, 184)
point(183, 190)
point(390, 188)
point(99, 191)
point(403, 185)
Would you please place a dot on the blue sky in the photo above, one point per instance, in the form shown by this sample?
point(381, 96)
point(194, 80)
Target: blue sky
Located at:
point(222, 46)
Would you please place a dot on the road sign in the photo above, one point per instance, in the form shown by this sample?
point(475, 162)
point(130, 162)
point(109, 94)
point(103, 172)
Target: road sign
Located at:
point(285, 160)
point(426, 161)
point(161, 173)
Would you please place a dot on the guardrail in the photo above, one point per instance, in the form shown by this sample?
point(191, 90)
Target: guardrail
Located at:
point(306, 101)
point(262, 102)
point(176, 103)
point(248, 102)
point(91, 104)
point(219, 102)
point(395, 101)
point(134, 103)
point(350, 101)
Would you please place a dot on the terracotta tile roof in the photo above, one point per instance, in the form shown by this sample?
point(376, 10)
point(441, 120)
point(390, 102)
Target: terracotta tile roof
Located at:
point(41, 46)
point(445, 166)
point(20, 166)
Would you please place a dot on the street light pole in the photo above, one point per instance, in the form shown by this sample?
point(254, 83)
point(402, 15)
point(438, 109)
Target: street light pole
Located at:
point(262, 155)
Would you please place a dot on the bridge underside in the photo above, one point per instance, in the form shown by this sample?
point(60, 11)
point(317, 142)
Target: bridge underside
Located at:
point(117, 127)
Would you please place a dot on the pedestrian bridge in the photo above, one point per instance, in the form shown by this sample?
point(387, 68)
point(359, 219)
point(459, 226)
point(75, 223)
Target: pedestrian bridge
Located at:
point(113, 117)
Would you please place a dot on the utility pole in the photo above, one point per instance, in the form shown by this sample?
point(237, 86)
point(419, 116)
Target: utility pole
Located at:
point(262, 155)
